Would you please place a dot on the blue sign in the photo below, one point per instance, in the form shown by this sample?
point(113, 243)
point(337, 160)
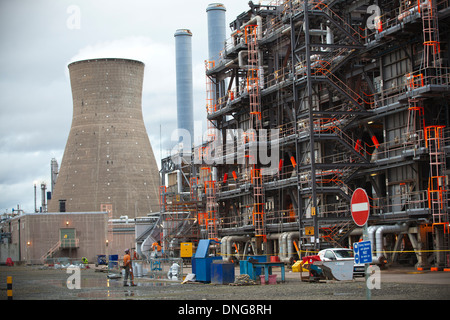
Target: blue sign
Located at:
point(363, 252)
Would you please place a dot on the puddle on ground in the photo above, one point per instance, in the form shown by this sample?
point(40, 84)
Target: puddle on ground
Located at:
point(106, 294)
point(113, 283)
point(115, 293)
point(344, 293)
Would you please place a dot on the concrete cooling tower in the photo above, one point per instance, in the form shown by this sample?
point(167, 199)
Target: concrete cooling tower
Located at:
point(108, 161)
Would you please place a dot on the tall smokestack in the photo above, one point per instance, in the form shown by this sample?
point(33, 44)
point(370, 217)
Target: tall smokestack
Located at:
point(108, 161)
point(216, 30)
point(185, 100)
point(216, 42)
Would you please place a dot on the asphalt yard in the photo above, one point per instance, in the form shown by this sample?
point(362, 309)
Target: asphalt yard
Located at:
point(37, 283)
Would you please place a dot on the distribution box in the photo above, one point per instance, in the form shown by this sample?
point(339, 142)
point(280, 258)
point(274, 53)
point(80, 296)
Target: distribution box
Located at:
point(186, 250)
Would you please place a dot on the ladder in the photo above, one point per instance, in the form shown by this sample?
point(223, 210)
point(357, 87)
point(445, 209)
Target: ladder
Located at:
point(258, 204)
point(416, 117)
point(431, 44)
point(253, 88)
point(437, 193)
point(193, 188)
point(211, 220)
point(210, 102)
point(162, 198)
point(253, 77)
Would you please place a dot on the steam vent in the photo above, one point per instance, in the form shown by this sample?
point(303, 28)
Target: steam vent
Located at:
point(108, 162)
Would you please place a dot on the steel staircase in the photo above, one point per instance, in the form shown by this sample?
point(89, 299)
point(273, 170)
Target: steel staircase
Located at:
point(51, 251)
point(336, 234)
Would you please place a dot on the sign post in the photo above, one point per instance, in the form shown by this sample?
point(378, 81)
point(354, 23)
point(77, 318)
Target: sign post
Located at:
point(360, 209)
point(363, 252)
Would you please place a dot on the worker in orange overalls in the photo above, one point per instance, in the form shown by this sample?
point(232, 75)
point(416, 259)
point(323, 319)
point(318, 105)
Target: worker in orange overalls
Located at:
point(156, 249)
point(128, 268)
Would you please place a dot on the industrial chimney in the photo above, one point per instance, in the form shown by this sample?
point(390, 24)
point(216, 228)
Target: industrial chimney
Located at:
point(216, 43)
point(216, 30)
point(108, 161)
point(185, 100)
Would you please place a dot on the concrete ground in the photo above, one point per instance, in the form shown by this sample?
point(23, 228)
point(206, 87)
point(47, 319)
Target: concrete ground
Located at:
point(37, 283)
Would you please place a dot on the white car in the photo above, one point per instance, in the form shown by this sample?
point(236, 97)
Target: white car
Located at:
point(340, 254)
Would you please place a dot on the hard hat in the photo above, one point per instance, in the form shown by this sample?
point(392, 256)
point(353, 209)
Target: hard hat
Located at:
point(127, 250)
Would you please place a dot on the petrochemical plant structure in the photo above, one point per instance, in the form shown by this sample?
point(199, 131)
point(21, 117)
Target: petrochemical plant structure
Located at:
point(337, 95)
point(306, 102)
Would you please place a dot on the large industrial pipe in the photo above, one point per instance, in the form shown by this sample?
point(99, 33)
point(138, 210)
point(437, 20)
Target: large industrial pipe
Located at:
point(241, 55)
point(290, 244)
point(146, 247)
point(371, 233)
point(375, 235)
point(412, 10)
point(226, 242)
point(223, 247)
point(398, 228)
point(283, 247)
point(235, 238)
point(320, 32)
point(258, 20)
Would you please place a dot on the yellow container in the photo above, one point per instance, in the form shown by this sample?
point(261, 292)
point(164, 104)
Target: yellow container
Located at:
point(186, 249)
point(298, 267)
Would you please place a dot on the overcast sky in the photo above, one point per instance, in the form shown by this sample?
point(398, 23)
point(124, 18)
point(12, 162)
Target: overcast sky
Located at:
point(39, 38)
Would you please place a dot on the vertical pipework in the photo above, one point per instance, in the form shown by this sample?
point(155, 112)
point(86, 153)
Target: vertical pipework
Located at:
point(185, 104)
point(54, 173)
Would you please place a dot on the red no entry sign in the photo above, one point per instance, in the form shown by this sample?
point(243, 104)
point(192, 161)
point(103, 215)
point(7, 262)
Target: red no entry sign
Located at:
point(359, 207)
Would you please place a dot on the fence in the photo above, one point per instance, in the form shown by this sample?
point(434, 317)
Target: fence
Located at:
point(160, 268)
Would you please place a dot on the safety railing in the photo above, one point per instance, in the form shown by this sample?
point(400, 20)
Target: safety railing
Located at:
point(160, 268)
point(403, 203)
point(70, 243)
point(321, 5)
